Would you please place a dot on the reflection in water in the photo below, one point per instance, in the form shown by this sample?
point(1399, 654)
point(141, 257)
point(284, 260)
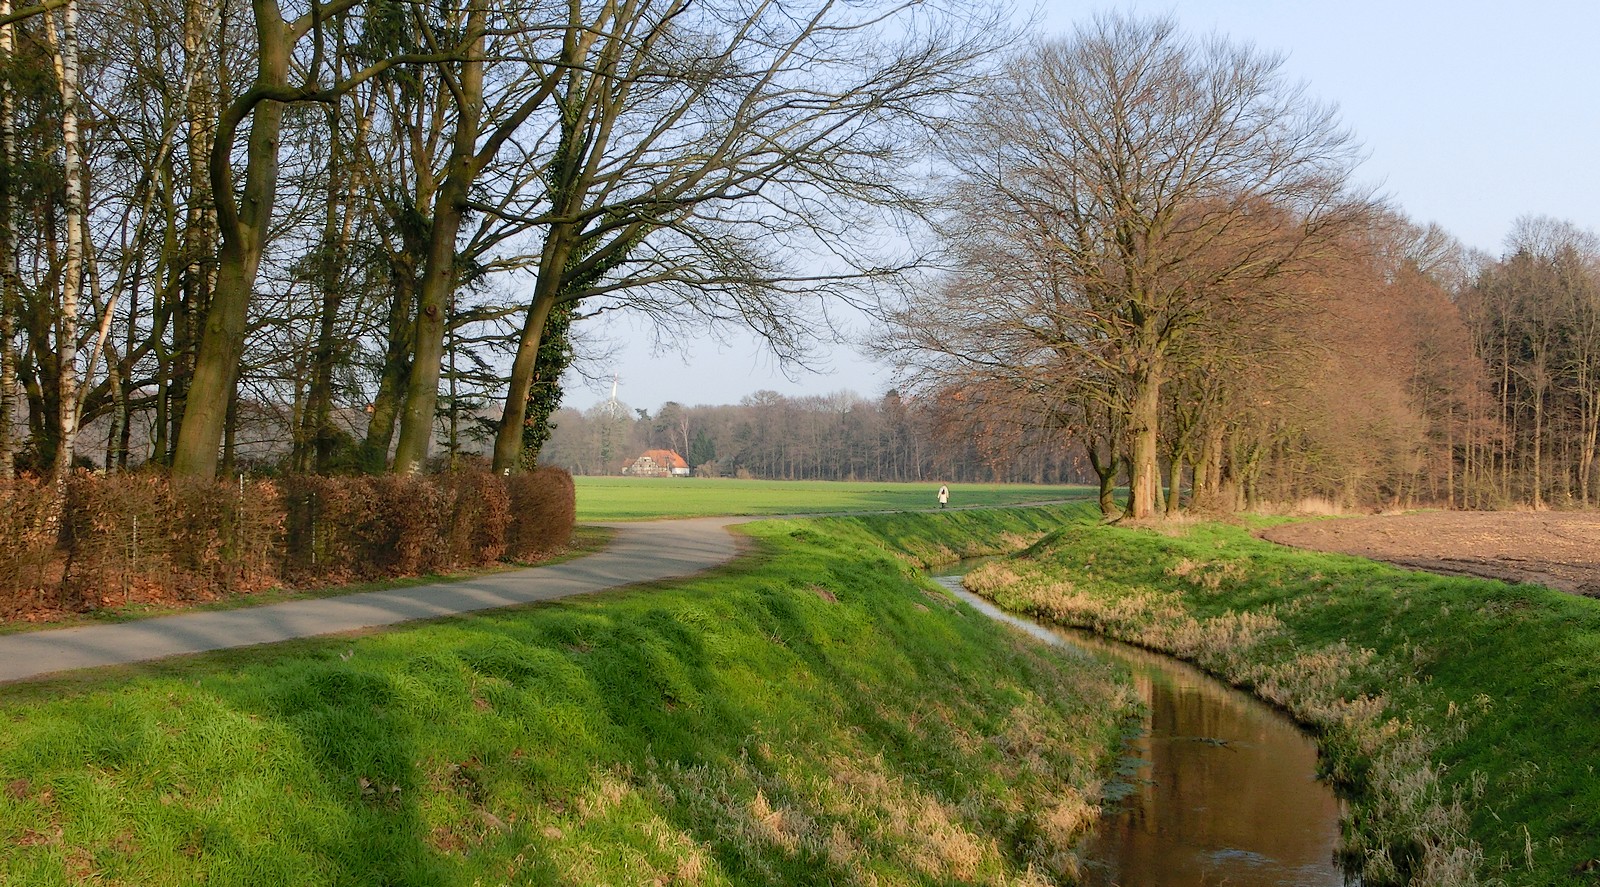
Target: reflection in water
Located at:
point(1218, 788)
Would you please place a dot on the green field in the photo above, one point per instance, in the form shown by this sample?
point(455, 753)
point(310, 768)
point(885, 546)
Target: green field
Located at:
point(1461, 713)
point(644, 498)
point(816, 713)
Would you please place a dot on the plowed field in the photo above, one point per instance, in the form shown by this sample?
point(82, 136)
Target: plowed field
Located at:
point(1556, 549)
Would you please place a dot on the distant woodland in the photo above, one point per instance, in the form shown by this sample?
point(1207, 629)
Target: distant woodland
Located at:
point(841, 436)
point(364, 236)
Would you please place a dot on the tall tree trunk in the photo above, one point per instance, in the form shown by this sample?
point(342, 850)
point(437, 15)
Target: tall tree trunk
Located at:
point(392, 378)
point(243, 226)
point(1175, 484)
point(1450, 457)
point(1144, 418)
point(427, 357)
point(230, 436)
point(199, 268)
point(1106, 471)
point(216, 369)
point(1586, 451)
point(1508, 419)
point(9, 279)
point(119, 414)
point(73, 175)
point(1538, 447)
point(453, 441)
point(318, 424)
point(1206, 493)
point(508, 438)
point(439, 271)
point(318, 435)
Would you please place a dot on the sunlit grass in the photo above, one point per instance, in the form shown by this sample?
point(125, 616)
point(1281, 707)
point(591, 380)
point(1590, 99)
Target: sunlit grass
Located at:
point(643, 498)
point(1461, 712)
point(816, 714)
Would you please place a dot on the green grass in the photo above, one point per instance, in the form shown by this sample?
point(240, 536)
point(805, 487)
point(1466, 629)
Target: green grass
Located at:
point(1465, 714)
point(816, 713)
point(644, 498)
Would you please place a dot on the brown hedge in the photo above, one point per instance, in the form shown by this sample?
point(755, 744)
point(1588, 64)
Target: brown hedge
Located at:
point(28, 535)
point(143, 536)
point(544, 508)
point(139, 538)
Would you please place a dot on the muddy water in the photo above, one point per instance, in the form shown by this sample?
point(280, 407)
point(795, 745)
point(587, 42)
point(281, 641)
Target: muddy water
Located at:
point(1218, 788)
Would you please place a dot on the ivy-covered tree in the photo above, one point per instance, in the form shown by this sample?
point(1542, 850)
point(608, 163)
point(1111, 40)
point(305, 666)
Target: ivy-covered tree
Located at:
point(544, 393)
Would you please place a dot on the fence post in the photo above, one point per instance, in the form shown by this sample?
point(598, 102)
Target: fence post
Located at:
point(133, 564)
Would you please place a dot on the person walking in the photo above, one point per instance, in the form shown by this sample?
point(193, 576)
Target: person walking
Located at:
point(944, 496)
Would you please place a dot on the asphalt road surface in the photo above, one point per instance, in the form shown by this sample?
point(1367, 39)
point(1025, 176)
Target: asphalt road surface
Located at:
point(640, 552)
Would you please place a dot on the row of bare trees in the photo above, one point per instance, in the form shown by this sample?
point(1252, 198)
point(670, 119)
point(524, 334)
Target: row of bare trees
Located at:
point(1534, 317)
point(840, 436)
point(364, 215)
point(1155, 249)
point(1405, 370)
point(349, 207)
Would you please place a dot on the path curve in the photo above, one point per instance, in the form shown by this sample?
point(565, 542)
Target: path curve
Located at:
point(640, 552)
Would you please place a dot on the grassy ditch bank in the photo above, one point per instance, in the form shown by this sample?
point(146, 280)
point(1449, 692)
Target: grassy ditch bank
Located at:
point(1461, 713)
point(814, 714)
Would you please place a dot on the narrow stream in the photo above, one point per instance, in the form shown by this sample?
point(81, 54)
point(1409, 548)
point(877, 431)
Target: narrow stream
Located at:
point(1217, 788)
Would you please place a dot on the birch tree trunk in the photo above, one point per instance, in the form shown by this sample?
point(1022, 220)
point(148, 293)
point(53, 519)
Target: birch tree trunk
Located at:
point(73, 173)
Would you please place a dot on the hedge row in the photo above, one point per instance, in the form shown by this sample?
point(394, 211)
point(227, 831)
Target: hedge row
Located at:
point(144, 537)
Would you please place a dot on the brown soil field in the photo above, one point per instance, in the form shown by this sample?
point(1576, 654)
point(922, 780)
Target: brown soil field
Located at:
point(1556, 549)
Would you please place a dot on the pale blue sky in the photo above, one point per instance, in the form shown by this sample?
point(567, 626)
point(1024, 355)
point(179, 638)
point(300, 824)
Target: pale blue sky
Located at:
point(1472, 113)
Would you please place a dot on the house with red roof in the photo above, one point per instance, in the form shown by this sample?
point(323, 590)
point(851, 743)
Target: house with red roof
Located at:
point(658, 463)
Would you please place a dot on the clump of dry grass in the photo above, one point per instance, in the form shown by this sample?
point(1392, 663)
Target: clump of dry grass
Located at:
point(1208, 575)
point(863, 809)
point(1310, 506)
point(989, 576)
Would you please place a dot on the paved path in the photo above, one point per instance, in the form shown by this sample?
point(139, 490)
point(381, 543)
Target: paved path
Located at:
point(641, 552)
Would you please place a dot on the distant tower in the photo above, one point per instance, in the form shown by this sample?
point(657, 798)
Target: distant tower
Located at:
point(608, 428)
point(613, 408)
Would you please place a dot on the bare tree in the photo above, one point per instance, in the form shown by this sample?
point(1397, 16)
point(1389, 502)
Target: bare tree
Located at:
point(479, 132)
point(1533, 317)
point(696, 149)
point(245, 209)
point(1151, 180)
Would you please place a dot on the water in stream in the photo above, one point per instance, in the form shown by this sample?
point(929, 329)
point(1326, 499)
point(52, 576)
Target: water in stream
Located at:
point(1218, 788)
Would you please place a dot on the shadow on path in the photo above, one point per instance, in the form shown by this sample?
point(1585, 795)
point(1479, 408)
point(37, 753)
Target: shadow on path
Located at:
point(640, 552)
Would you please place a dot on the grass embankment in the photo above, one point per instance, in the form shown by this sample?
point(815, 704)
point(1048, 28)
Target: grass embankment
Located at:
point(643, 498)
point(1461, 712)
point(815, 714)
